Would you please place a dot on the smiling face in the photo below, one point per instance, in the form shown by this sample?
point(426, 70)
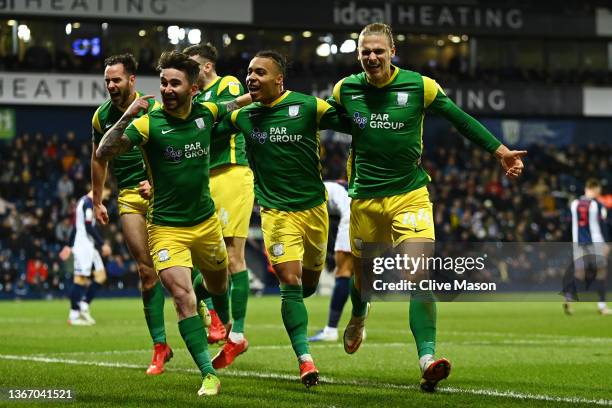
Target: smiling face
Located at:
point(375, 53)
point(175, 89)
point(119, 84)
point(264, 80)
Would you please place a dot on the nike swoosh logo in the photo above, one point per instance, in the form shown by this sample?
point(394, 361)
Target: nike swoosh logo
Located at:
point(417, 230)
point(356, 96)
point(108, 125)
point(221, 261)
point(164, 131)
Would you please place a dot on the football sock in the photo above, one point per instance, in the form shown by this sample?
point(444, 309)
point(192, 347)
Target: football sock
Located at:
point(600, 286)
point(295, 317)
point(423, 322)
point(360, 307)
point(76, 294)
point(153, 301)
point(193, 333)
point(338, 300)
point(91, 291)
point(221, 306)
point(240, 297)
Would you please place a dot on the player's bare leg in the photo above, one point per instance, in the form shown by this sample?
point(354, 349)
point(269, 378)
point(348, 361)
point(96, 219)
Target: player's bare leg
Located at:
point(177, 280)
point(135, 233)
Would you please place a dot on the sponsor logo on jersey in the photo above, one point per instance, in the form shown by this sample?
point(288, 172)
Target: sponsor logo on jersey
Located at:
point(361, 121)
point(200, 123)
point(173, 154)
point(381, 121)
point(278, 249)
point(294, 110)
point(207, 95)
point(163, 255)
point(402, 98)
point(193, 150)
point(259, 135)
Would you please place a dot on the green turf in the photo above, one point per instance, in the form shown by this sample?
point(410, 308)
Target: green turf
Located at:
point(529, 351)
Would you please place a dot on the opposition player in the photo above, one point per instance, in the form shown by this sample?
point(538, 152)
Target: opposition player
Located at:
point(387, 182)
point(589, 234)
point(128, 169)
point(281, 132)
point(338, 203)
point(183, 227)
point(86, 243)
point(231, 187)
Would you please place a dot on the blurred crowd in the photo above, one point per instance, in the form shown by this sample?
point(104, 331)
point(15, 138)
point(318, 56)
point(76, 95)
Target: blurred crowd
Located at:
point(43, 176)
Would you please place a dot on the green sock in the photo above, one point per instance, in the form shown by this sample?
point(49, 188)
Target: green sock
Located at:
point(360, 307)
point(295, 317)
point(200, 290)
point(423, 322)
point(193, 333)
point(153, 301)
point(240, 298)
point(222, 306)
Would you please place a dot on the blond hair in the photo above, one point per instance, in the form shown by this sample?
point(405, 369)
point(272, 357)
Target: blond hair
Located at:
point(378, 29)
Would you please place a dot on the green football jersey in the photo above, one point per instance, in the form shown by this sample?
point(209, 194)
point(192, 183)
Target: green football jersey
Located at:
point(127, 168)
point(224, 150)
point(177, 155)
point(387, 130)
point(282, 141)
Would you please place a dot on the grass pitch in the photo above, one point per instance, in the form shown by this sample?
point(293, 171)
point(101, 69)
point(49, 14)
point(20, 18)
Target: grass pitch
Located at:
point(503, 354)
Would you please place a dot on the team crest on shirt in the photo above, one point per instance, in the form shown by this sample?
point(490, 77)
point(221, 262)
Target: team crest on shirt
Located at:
point(402, 98)
point(294, 110)
point(163, 255)
point(207, 95)
point(200, 123)
point(234, 88)
point(278, 249)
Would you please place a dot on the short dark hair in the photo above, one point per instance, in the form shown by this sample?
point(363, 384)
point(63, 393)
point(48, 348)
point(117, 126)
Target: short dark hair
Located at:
point(127, 60)
point(275, 56)
point(207, 51)
point(592, 183)
point(180, 61)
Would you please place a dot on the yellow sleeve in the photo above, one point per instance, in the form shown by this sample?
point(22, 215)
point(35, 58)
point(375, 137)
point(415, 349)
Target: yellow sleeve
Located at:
point(322, 107)
point(336, 92)
point(213, 108)
point(231, 83)
point(430, 91)
point(95, 122)
point(142, 126)
point(156, 105)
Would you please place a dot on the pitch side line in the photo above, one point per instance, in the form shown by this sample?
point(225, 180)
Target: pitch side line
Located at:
point(326, 380)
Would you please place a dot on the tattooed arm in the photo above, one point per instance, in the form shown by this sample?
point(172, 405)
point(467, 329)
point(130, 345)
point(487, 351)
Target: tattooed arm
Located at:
point(115, 141)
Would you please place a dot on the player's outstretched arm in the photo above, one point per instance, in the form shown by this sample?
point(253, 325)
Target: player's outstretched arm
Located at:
point(115, 141)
